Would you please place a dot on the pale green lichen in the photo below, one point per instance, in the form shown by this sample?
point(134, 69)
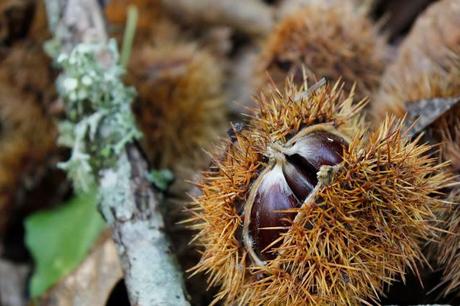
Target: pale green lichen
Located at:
point(98, 105)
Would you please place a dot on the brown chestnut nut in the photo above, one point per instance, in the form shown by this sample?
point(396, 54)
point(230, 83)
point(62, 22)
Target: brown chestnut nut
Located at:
point(300, 176)
point(286, 184)
point(319, 148)
point(267, 216)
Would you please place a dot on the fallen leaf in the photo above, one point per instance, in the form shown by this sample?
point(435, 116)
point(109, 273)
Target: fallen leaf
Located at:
point(92, 282)
point(60, 239)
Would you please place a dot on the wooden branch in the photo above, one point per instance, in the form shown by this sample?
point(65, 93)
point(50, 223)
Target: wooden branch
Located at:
point(151, 273)
point(128, 202)
point(249, 16)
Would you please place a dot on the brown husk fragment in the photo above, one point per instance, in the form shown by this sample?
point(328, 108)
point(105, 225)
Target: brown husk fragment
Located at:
point(92, 282)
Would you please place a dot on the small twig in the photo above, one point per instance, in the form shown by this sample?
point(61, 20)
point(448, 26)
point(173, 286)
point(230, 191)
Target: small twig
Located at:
point(249, 16)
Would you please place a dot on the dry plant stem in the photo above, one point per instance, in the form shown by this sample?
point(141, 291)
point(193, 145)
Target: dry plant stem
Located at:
point(128, 203)
point(249, 16)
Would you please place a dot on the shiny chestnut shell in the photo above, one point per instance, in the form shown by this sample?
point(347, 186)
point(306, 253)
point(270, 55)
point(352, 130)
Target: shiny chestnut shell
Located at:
point(289, 180)
point(267, 217)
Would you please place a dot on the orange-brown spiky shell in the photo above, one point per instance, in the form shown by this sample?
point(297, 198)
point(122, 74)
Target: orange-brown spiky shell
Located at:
point(15, 16)
point(428, 66)
point(446, 252)
point(358, 232)
point(27, 68)
point(333, 41)
point(27, 138)
point(180, 105)
point(428, 61)
point(27, 133)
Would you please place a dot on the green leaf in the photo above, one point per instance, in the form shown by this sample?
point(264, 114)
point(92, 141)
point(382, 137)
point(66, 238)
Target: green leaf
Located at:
point(60, 239)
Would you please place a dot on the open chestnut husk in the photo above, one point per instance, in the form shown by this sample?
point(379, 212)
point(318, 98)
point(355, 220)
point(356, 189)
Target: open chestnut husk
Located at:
point(284, 185)
point(306, 206)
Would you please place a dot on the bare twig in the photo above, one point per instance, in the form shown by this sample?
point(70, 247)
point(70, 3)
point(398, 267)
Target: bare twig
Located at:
point(247, 16)
point(128, 203)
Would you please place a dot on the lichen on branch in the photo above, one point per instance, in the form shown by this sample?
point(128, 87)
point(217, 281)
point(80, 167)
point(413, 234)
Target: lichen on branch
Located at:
point(98, 105)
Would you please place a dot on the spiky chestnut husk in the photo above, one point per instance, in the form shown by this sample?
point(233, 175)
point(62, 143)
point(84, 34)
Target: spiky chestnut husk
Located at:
point(447, 251)
point(27, 138)
point(15, 16)
point(428, 66)
point(428, 70)
point(27, 68)
point(357, 230)
point(180, 105)
point(428, 61)
point(27, 133)
point(288, 6)
point(335, 41)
